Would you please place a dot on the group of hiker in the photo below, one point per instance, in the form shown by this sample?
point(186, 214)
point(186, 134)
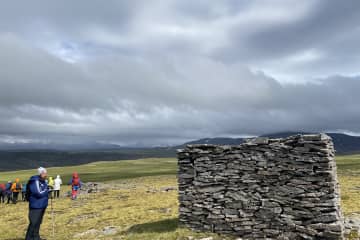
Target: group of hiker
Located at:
point(10, 191)
point(37, 191)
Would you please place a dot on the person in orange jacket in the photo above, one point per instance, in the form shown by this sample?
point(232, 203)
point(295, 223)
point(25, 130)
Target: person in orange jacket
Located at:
point(16, 189)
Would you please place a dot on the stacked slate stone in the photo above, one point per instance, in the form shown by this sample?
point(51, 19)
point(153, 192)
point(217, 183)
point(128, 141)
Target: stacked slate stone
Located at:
point(262, 189)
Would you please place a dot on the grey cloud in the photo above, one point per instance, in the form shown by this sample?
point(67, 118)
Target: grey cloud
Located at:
point(330, 29)
point(65, 15)
point(178, 98)
point(166, 72)
point(310, 31)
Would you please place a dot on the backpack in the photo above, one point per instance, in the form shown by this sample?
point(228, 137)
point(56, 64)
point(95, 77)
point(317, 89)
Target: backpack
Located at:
point(28, 192)
point(76, 181)
point(18, 187)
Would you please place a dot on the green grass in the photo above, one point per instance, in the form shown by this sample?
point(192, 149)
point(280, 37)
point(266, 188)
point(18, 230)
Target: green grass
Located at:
point(348, 164)
point(104, 171)
point(349, 178)
point(135, 211)
point(126, 169)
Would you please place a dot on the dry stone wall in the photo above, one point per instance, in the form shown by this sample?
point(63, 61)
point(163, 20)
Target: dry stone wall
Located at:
point(262, 189)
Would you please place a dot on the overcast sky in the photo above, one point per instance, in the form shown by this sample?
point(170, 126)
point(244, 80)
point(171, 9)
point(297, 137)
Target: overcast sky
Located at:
point(161, 72)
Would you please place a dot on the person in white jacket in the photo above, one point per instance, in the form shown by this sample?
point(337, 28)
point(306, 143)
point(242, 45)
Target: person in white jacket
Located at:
point(57, 186)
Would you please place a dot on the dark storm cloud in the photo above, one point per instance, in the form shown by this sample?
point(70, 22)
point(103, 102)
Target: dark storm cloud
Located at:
point(65, 15)
point(324, 24)
point(162, 72)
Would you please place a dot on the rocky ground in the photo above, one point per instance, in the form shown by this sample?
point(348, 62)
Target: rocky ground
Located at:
point(132, 209)
point(352, 226)
point(351, 222)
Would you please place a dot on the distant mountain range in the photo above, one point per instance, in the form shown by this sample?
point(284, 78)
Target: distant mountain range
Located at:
point(27, 155)
point(220, 141)
point(31, 159)
point(344, 144)
point(58, 146)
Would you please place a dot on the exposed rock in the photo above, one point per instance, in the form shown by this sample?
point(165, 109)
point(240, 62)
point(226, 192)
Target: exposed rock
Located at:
point(92, 187)
point(109, 230)
point(207, 238)
point(352, 226)
point(87, 233)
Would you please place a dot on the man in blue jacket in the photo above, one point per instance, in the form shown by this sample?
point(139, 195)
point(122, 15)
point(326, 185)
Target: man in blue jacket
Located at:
point(38, 202)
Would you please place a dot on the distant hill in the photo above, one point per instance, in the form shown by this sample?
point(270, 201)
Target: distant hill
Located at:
point(344, 144)
point(29, 159)
point(59, 146)
point(26, 156)
point(220, 141)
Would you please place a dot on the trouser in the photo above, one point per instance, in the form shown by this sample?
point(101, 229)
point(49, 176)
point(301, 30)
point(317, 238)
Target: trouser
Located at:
point(56, 193)
point(74, 193)
point(8, 197)
point(23, 196)
point(51, 192)
point(35, 218)
point(15, 197)
point(2, 197)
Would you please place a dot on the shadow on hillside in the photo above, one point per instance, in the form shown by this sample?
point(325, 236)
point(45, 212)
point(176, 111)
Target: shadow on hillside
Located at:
point(166, 225)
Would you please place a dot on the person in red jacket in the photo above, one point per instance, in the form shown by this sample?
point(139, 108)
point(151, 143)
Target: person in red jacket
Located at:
point(75, 183)
point(2, 192)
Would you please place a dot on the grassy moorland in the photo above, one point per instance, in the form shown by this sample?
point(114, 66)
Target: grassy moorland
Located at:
point(136, 205)
point(105, 171)
point(349, 178)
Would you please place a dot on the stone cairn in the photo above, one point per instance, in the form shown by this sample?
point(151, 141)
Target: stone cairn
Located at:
point(262, 189)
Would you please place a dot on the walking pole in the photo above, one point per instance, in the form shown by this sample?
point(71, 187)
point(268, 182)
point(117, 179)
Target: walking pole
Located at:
point(52, 218)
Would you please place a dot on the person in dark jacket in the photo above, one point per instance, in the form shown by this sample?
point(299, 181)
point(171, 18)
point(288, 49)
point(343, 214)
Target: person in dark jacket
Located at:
point(38, 202)
point(8, 192)
point(23, 192)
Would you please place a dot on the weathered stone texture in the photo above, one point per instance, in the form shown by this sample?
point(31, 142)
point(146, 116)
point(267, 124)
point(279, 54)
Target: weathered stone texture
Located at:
point(262, 189)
